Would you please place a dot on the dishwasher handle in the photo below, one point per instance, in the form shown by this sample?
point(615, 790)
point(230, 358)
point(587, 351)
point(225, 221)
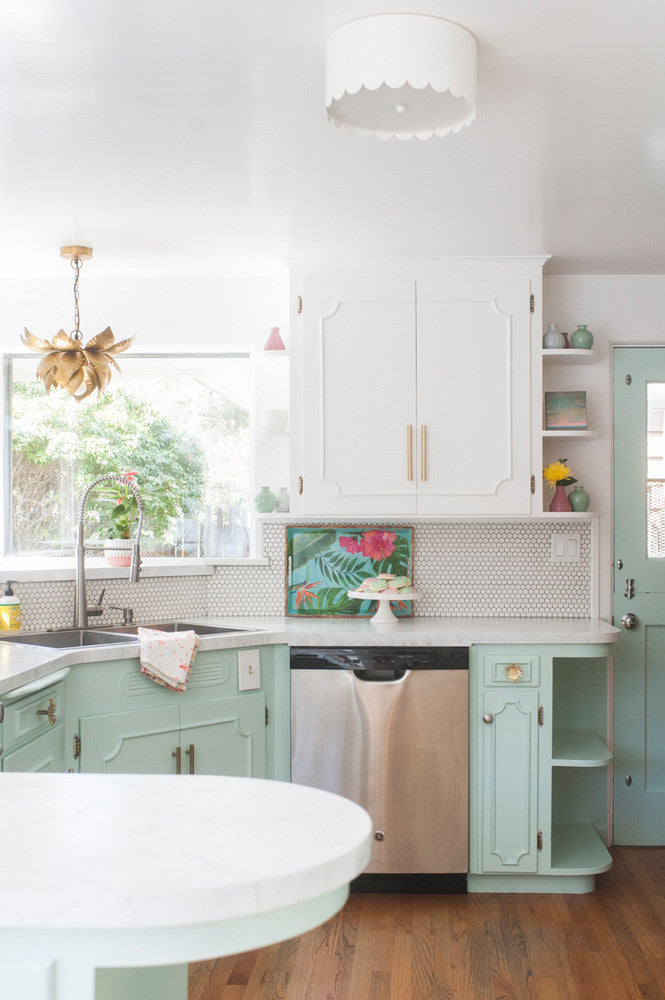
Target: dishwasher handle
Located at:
point(382, 675)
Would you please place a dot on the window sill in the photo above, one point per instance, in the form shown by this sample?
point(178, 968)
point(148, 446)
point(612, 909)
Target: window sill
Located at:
point(36, 569)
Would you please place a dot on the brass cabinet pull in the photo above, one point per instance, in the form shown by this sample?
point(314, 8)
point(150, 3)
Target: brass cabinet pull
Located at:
point(423, 451)
point(177, 753)
point(48, 712)
point(409, 452)
point(190, 754)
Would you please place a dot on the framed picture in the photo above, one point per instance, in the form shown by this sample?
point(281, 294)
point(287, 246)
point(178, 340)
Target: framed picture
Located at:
point(565, 411)
point(325, 561)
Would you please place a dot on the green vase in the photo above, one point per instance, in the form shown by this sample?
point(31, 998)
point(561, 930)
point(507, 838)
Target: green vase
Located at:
point(265, 501)
point(581, 338)
point(579, 499)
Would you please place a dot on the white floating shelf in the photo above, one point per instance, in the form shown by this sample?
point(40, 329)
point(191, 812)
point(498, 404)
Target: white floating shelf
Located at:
point(570, 434)
point(570, 356)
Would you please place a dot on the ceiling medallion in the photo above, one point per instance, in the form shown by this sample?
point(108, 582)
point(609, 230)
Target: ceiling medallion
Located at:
point(67, 364)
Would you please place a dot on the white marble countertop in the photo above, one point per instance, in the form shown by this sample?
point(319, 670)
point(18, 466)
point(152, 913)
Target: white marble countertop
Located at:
point(151, 851)
point(21, 664)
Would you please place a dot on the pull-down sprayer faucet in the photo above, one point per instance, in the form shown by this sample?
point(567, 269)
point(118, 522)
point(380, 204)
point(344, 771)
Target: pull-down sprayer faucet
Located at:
point(81, 609)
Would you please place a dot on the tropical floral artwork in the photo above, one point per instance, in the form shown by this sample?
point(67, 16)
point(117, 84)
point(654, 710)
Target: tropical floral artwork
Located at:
point(324, 562)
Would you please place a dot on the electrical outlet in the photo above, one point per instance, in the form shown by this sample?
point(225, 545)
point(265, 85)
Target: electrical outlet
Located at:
point(565, 546)
point(249, 669)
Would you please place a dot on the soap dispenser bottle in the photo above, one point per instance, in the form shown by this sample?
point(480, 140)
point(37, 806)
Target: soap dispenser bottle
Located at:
point(10, 610)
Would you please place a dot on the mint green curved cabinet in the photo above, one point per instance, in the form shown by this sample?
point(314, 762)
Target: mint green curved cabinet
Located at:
point(32, 731)
point(538, 768)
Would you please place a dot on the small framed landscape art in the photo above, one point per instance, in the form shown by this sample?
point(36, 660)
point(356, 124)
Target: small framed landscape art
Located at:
point(565, 411)
point(324, 562)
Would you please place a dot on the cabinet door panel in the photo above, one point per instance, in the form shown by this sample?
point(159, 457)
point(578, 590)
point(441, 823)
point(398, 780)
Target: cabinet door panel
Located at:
point(473, 396)
point(510, 781)
point(139, 742)
point(228, 735)
point(358, 395)
point(44, 753)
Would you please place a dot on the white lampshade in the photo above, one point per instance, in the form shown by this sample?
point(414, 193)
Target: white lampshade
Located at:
point(401, 75)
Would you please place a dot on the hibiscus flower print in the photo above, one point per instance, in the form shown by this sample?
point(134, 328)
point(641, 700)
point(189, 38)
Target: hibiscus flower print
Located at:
point(349, 543)
point(378, 544)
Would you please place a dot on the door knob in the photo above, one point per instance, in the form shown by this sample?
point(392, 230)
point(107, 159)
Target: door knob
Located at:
point(630, 621)
point(489, 718)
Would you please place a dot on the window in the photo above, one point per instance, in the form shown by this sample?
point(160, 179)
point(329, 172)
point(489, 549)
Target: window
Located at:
point(182, 423)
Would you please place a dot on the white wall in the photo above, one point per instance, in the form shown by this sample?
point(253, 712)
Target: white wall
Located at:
point(618, 309)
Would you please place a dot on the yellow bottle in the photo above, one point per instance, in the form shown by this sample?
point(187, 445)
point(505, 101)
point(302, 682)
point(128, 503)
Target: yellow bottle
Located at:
point(10, 610)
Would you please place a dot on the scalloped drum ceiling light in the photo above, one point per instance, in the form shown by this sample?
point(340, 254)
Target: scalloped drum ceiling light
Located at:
point(401, 75)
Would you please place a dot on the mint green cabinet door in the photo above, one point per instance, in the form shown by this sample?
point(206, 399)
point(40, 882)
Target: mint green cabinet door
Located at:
point(44, 753)
point(225, 736)
point(143, 741)
point(509, 751)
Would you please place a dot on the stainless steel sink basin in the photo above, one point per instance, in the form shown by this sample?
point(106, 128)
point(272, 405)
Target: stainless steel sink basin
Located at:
point(173, 627)
point(68, 638)
point(107, 635)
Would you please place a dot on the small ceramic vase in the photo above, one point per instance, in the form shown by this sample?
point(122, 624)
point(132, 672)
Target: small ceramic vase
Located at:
point(265, 501)
point(579, 499)
point(274, 341)
point(581, 338)
point(283, 500)
point(553, 340)
point(566, 342)
point(560, 501)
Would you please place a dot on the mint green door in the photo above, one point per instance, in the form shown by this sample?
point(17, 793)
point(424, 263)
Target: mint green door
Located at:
point(639, 591)
point(225, 736)
point(140, 742)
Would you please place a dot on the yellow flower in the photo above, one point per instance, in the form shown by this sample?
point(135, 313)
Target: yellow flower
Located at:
point(555, 472)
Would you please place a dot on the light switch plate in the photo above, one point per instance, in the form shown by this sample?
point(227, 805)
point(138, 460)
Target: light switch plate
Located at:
point(565, 546)
point(249, 669)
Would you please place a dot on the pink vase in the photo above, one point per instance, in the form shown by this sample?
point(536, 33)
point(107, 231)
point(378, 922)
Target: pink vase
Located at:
point(560, 501)
point(274, 341)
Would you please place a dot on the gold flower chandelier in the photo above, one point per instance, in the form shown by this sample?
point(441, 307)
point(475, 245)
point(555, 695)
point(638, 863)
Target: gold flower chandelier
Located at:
point(68, 364)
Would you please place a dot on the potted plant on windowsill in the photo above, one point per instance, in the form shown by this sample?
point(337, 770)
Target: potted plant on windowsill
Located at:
point(120, 523)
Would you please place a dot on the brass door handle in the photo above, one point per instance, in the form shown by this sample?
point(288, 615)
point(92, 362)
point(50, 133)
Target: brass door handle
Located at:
point(177, 753)
point(190, 754)
point(423, 453)
point(48, 712)
point(409, 452)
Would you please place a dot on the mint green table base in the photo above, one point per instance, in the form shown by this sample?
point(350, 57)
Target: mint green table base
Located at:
point(139, 964)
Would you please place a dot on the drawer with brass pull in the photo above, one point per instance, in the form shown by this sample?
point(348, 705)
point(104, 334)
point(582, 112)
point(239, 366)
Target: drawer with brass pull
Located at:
point(520, 670)
point(32, 715)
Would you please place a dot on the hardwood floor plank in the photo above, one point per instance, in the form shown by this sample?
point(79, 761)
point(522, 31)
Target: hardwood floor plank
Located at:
point(606, 945)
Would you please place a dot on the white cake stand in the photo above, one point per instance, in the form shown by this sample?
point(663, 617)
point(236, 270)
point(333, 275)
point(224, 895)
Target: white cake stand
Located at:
point(384, 614)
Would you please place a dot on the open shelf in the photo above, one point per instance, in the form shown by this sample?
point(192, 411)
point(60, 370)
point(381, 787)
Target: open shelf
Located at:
point(579, 748)
point(578, 849)
point(569, 356)
point(570, 434)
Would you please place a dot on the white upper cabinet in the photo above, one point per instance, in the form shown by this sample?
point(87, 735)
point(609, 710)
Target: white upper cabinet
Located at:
point(412, 388)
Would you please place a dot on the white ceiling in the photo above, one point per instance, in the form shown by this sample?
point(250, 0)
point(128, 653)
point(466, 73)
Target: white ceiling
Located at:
point(190, 136)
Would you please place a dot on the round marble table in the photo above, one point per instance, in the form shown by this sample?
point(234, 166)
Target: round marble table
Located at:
point(112, 883)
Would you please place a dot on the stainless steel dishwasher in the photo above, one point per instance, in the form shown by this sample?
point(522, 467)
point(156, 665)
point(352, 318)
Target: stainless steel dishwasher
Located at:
point(388, 728)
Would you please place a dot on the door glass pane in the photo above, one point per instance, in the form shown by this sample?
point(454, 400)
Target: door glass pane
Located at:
point(656, 470)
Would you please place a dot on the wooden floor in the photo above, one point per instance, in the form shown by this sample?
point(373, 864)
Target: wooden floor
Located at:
point(606, 945)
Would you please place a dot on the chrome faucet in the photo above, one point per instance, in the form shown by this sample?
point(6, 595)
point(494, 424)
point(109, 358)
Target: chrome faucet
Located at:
point(81, 608)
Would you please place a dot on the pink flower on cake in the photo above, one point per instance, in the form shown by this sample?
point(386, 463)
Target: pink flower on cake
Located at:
point(378, 544)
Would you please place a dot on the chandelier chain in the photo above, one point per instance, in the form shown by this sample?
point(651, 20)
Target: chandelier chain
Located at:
point(76, 332)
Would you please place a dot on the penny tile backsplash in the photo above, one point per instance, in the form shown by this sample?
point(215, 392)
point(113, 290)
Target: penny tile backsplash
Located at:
point(462, 569)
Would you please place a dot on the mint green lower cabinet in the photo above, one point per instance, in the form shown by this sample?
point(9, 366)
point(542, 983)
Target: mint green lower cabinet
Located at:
point(538, 768)
point(128, 724)
point(43, 753)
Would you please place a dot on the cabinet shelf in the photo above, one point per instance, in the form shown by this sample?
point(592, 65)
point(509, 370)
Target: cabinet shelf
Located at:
point(579, 748)
point(569, 356)
point(578, 849)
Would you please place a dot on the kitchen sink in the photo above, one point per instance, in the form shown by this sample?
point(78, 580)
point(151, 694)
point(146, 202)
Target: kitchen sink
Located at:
point(107, 635)
point(68, 638)
point(173, 627)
